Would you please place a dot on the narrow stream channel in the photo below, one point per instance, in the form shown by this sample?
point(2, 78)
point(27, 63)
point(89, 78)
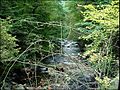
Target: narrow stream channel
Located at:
point(68, 57)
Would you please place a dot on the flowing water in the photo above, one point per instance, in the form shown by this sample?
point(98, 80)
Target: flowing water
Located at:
point(68, 48)
point(69, 60)
point(70, 53)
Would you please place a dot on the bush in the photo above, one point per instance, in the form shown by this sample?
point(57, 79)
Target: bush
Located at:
point(8, 44)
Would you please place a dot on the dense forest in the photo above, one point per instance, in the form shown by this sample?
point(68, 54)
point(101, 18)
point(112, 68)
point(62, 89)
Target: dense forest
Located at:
point(39, 40)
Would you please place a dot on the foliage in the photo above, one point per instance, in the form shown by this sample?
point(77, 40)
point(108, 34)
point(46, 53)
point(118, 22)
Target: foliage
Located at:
point(33, 20)
point(7, 42)
point(100, 28)
point(105, 82)
point(38, 23)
